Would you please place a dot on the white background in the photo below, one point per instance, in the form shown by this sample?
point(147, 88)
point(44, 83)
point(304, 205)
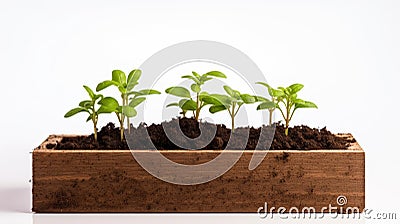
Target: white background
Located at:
point(346, 53)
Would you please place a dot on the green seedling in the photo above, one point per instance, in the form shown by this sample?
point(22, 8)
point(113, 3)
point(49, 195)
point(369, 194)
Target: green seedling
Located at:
point(195, 104)
point(286, 101)
point(129, 98)
point(267, 104)
point(231, 102)
point(88, 106)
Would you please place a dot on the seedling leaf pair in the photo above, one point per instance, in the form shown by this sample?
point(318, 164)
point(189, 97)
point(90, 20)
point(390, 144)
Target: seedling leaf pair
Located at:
point(88, 106)
point(196, 103)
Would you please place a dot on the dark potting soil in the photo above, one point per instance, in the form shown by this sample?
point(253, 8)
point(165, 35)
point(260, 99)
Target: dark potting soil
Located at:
point(213, 137)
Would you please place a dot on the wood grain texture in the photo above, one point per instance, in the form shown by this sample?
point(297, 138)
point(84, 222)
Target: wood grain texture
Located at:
point(112, 181)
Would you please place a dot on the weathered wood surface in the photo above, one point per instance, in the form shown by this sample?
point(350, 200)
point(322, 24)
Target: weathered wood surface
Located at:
point(112, 181)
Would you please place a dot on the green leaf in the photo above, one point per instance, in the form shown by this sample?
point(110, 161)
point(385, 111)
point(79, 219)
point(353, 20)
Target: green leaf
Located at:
point(136, 93)
point(217, 74)
point(261, 99)
point(173, 105)
point(75, 111)
point(294, 88)
point(264, 84)
point(178, 91)
point(131, 86)
point(230, 91)
point(86, 104)
point(105, 84)
point(202, 95)
point(108, 105)
point(144, 92)
point(196, 80)
point(89, 91)
point(222, 99)
point(266, 105)
point(89, 117)
point(196, 88)
point(119, 77)
point(110, 101)
point(136, 101)
point(187, 104)
point(217, 108)
point(129, 111)
point(207, 100)
point(105, 110)
point(218, 99)
point(149, 91)
point(247, 98)
point(304, 104)
point(276, 92)
point(195, 74)
point(133, 79)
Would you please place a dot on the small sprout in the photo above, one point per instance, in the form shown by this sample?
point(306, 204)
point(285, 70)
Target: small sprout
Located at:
point(187, 103)
point(286, 101)
point(88, 106)
point(130, 98)
point(231, 102)
point(270, 105)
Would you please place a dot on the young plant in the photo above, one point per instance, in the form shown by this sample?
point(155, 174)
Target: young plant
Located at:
point(287, 102)
point(187, 103)
point(129, 98)
point(88, 106)
point(231, 102)
point(267, 104)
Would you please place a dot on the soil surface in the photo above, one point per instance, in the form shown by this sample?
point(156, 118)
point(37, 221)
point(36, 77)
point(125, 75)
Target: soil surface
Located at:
point(213, 137)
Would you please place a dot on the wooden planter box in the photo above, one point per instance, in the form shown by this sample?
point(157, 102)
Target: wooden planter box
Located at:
point(112, 181)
